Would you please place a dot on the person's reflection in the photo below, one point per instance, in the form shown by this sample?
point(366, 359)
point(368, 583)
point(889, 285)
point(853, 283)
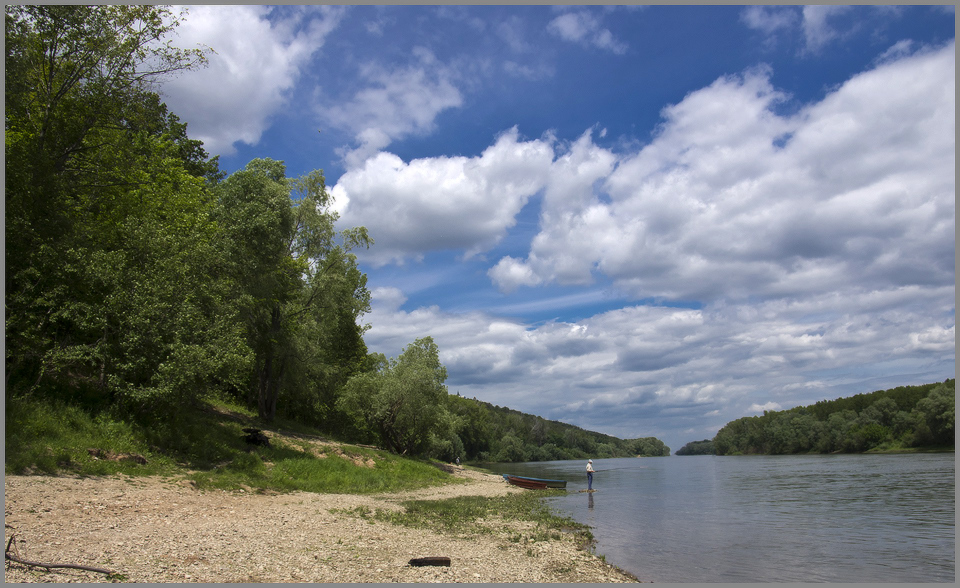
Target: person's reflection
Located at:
point(590, 501)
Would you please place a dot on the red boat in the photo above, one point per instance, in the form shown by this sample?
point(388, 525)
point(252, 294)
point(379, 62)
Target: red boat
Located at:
point(526, 483)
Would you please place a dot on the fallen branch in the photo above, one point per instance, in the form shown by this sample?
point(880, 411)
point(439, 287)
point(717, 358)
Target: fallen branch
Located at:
point(25, 562)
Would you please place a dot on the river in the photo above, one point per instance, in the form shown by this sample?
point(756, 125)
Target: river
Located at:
point(809, 518)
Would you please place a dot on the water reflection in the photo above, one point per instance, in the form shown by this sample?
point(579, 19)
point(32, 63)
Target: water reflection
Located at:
point(590, 500)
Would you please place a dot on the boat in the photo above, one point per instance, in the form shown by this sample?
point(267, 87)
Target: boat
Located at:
point(534, 483)
point(525, 482)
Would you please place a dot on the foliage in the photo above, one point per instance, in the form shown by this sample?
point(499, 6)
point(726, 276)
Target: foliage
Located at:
point(899, 418)
point(112, 274)
point(501, 434)
point(402, 402)
point(704, 447)
point(300, 290)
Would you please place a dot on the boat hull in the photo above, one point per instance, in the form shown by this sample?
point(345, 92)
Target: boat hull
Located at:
point(536, 483)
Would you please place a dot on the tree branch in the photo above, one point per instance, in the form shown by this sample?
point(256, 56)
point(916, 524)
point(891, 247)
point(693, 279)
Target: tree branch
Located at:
point(25, 562)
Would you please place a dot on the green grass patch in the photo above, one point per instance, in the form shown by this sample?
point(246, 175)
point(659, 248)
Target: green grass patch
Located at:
point(284, 469)
point(47, 437)
point(469, 515)
point(205, 444)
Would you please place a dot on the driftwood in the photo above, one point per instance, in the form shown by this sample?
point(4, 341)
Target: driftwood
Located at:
point(109, 455)
point(430, 561)
point(20, 560)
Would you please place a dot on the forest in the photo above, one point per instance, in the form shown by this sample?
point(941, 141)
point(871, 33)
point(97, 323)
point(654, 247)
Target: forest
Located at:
point(896, 419)
point(142, 280)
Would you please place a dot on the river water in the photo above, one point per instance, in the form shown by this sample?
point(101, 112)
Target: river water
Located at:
point(810, 518)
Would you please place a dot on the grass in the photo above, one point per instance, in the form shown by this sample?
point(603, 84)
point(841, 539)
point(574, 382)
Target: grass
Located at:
point(49, 437)
point(470, 515)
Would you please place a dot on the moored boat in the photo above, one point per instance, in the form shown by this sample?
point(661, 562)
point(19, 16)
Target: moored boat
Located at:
point(534, 483)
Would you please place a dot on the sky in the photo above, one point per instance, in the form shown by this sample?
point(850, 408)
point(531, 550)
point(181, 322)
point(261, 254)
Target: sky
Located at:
point(643, 221)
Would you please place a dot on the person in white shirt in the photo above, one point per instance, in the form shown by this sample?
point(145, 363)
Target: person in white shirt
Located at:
point(590, 474)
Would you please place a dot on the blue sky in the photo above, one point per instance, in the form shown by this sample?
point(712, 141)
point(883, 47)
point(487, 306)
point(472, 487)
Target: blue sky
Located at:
point(645, 221)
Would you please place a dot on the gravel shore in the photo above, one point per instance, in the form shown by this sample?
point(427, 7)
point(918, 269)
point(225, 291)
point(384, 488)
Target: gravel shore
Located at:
point(159, 530)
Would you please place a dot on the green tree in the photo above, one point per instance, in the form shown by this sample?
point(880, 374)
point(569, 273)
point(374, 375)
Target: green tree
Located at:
point(511, 449)
point(704, 447)
point(299, 285)
point(112, 277)
point(936, 417)
point(474, 425)
point(403, 402)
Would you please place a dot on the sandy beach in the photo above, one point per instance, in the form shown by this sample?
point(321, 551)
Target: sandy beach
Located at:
point(158, 530)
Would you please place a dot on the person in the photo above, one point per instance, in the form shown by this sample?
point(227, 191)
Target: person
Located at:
point(458, 460)
point(590, 474)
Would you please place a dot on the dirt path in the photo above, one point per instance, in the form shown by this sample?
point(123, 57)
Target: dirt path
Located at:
point(156, 530)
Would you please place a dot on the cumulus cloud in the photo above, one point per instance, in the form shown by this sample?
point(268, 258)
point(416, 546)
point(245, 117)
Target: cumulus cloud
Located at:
point(584, 28)
point(259, 53)
point(732, 200)
point(393, 104)
point(509, 273)
point(432, 204)
point(660, 371)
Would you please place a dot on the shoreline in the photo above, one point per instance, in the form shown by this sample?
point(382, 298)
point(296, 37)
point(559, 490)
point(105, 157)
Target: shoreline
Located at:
point(164, 530)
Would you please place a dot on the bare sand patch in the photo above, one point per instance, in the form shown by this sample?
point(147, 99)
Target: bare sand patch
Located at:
point(163, 530)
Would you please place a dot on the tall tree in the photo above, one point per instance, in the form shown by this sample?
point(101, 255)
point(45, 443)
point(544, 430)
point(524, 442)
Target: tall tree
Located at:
point(297, 277)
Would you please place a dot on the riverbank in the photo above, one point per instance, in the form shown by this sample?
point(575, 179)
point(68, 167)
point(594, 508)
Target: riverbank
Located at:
point(160, 530)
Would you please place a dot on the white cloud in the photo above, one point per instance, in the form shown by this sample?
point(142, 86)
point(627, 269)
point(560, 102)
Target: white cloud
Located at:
point(259, 52)
point(388, 298)
point(442, 203)
point(584, 28)
point(393, 105)
point(731, 200)
point(769, 19)
point(765, 407)
point(817, 29)
point(509, 273)
point(657, 370)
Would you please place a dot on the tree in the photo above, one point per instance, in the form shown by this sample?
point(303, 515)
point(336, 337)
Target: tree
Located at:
point(403, 401)
point(936, 416)
point(510, 449)
point(295, 273)
point(112, 279)
point(704, 447)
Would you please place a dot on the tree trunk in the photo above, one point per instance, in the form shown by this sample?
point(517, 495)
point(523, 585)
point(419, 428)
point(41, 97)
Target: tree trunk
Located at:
point(263, 388)
point(271, 374)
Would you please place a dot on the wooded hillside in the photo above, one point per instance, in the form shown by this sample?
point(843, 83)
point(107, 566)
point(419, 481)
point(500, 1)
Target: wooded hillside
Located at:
point(903, 417)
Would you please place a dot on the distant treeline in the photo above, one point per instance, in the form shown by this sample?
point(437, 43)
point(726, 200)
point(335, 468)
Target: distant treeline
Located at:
point(899, 418)
point(493, 433)
point(704, 447)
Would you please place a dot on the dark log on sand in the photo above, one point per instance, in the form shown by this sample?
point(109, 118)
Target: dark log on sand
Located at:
point(430, 561)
